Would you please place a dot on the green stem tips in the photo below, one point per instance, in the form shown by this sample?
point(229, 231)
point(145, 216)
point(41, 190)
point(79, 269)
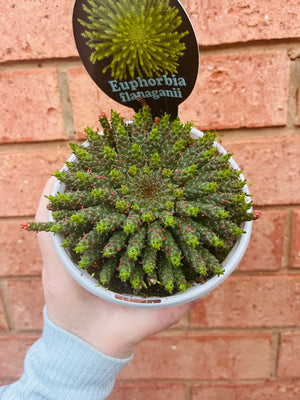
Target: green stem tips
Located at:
point(147, 209)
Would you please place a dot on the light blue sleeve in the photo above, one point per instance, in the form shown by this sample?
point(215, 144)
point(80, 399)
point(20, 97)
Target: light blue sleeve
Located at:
point(61, 366)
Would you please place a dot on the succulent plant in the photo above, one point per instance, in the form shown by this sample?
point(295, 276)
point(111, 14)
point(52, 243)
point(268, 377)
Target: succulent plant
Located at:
point(136, 36)
point(147, 208)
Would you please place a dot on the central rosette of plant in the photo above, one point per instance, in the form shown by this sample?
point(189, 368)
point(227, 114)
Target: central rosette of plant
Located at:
point(148, 209)
point(150, 189)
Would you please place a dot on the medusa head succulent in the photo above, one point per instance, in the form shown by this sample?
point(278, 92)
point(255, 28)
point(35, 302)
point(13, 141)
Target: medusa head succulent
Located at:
point(147, 208)
point(137, 36)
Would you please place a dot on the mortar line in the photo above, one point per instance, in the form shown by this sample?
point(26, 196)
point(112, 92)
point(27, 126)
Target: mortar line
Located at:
point(261, 132)
point(250, 46)
point(265, 272)
point(7, 148)
point(256, 273)
point(202, 381)
point(239, 135)
point(218, 49)
point(43, 63)
point(23, 278)
point(7, 306)
point(294, 77)
point(229, 330)
point(66, 104)
point(22, 332)
point(275, 354)
point(287, 241)
point(188, 390)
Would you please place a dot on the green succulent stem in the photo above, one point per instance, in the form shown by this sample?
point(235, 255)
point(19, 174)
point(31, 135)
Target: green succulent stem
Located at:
point(146, 208)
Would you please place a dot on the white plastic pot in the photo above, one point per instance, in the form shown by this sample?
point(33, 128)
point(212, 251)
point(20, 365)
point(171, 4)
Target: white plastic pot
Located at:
point(193, 293)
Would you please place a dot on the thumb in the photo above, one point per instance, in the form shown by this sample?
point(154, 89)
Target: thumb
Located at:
point(42, 212)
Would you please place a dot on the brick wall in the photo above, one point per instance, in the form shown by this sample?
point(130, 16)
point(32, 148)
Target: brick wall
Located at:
point(242, 342)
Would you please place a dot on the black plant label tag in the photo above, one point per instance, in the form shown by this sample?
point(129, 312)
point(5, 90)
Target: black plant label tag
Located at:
point(138, 51)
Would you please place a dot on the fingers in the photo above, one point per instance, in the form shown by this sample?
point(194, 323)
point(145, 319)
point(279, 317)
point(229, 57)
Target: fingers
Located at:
point(42, 212)
point(46, 245)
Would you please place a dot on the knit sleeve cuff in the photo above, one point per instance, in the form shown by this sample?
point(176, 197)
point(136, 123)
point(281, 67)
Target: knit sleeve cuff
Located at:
point(61, 366)
point(78, 366)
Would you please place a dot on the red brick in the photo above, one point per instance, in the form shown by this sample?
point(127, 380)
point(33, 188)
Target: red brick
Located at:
point(295, 254)
point(240, 90)
point(23, 176)
point(13, 349)
point(26, 302)
point(231, 21)
point(283, 390)
point(199, 356)
point(237, 90)
point(251, 301)
point(35, 29)
point(31, 107)
point(298, 105)
point(88, 100)
point(19, 250)
point(266, 244)
point(3, 321)
point(149, 391)
point(289, 355)
point(273, 165)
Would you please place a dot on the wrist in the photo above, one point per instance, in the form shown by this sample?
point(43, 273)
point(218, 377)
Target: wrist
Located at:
point(108, 340)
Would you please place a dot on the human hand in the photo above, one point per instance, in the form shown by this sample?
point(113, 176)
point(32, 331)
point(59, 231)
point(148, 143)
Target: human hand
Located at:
point(112, 329)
